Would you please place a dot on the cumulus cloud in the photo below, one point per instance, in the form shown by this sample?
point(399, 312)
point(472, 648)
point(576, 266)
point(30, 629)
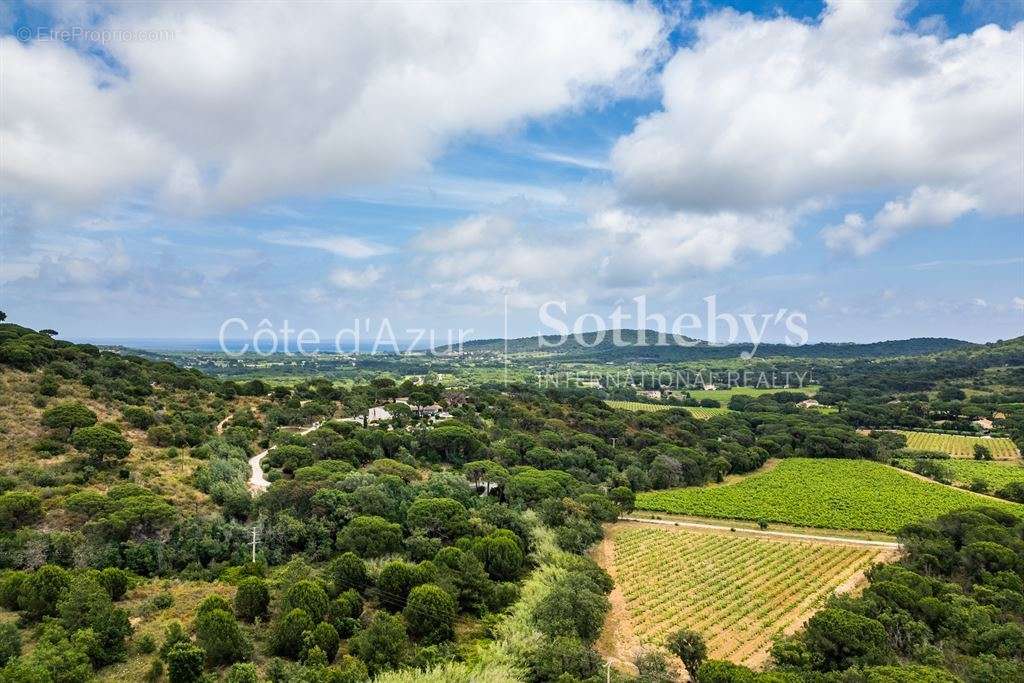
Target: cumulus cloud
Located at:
point(761, 114)
point(245, 102)
point(493, 254)
point(926, 207)
point(674, 242)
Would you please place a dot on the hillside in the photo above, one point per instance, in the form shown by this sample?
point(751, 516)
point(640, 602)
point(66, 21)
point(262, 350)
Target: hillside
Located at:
point(664, 349)
point(449, 533)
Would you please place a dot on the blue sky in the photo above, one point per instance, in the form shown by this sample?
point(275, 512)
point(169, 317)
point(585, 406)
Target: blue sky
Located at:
point(168, 167)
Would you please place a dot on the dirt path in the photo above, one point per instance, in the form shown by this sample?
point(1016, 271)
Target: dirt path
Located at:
point(257, 482)
point(220, 425)
point(758, 532)
point(618, 643)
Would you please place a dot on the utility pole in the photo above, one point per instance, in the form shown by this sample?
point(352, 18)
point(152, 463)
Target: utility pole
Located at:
point(254, 542)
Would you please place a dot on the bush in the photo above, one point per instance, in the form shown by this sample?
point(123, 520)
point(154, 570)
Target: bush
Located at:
point(101, 444)
point(86, 607)
point(10, 642)
point(156, 671)
point(347, 670)
point(242, 673)
point(286, 639)
point(146, 644)
point(139, 417)
point(564, 655)
point(652, 668)
point(689, 646)
point(160, 435)
point(501, 555)
point(185, 663)
point(252, 599)
point(347, 571)
point(841, 639)
point(68, 417)
point(325, 637)
point(114, 581)
point(344, 611)
point(573, 606)
point(162, 601)
point(383, 644)
point(218, 634)
point(308, 596)
point(370, 536)
point(211, 603)
point(19, 508)
point(395, 581)
point(10, 589)
point(430, 613)
point(1013, 491)
point(173, 635)
point(41, 590)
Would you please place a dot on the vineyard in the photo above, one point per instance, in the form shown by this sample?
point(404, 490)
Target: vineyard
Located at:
point(724, 395)
point(739, 592)
point(699, 413)
point(960, 446)
point(995, 474)
point(824, 493)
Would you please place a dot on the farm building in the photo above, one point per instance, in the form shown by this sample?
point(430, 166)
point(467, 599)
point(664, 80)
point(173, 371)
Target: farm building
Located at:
point(649, 393)
point(809, 403)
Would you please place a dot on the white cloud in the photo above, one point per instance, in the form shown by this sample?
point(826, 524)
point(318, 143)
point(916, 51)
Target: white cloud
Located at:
point(768, 113)
point(356, 279)
point(1018, 303)
point(574, 160)
point(617, 250)
point(926, 207)
point(340, 245)
point(671, 243)
point(246, 102)
point(476, 231)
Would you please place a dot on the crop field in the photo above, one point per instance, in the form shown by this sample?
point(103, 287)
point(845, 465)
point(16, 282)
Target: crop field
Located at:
point(636, 405)
point(960, 446)
point(857, 495)
point(724, 395)
point(699, 413)
point(739, 592)
point(996, 474)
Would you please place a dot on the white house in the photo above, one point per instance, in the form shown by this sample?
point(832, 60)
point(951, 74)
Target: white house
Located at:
point(377, 414)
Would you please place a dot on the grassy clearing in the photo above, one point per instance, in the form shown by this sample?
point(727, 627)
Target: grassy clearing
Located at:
point(147, 620)
point(960, 446)
point(737, 591)
point(699, 413)
point(821, 493)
